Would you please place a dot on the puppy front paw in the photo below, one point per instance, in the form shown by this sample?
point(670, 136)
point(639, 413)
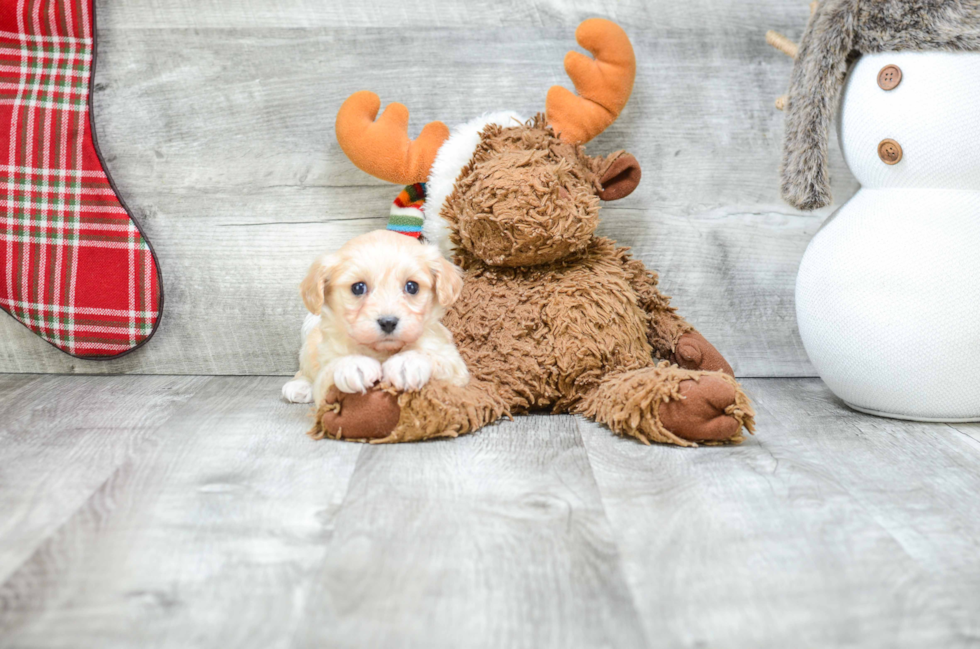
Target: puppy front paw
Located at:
point(298, 391)
point(407, 371)
point(356, 373)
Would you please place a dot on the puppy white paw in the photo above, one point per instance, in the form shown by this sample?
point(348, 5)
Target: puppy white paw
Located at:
point(407, 371)
point(356, 373)
point(298, 391)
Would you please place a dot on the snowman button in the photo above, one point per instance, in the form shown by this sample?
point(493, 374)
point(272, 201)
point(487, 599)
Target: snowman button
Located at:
point(889, 77)
point(890, 151)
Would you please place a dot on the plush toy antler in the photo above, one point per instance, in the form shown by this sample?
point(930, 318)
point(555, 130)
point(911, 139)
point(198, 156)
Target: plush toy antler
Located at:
point(603, 84)
point(382, 148)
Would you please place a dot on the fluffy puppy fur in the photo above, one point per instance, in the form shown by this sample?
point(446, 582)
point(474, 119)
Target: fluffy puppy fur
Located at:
point(375, 309)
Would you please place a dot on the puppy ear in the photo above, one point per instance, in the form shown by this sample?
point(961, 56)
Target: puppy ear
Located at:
point(314, 286)
point(448, 278)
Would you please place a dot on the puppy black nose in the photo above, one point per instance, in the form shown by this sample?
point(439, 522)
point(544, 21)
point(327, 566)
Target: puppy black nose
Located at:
point(387, 323)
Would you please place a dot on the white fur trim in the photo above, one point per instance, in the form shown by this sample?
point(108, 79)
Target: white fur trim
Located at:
point(454, 154)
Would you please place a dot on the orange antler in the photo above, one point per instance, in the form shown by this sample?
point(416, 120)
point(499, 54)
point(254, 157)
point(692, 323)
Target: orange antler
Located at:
point(382, 147)
point(604, 83)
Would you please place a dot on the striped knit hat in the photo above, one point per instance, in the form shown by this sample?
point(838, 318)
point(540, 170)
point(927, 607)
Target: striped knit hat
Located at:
point(406, 215)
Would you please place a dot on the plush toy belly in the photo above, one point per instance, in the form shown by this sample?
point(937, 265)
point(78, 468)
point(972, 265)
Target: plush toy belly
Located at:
point(888, 303)
point(547, 334)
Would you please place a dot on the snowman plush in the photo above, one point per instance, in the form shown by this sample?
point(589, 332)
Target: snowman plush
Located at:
point(888, 292)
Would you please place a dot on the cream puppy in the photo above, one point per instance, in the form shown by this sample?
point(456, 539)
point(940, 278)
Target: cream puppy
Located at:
point(375, 309)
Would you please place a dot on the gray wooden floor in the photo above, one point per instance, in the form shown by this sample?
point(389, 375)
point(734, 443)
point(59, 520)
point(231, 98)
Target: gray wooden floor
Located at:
point(194, 512)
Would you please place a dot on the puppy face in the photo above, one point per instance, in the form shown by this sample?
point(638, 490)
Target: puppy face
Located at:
point(382, 289)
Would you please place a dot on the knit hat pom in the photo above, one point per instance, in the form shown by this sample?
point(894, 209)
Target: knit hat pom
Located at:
point(406, 215)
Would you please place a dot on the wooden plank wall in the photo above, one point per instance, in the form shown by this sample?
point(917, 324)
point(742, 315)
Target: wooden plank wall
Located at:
point(216, 121)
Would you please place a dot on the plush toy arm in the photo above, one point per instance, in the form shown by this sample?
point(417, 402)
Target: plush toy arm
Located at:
point(666, 327)
point(670, 335)
point(382, 416)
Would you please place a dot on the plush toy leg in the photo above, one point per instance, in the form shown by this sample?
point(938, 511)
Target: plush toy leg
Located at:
point(670, 404)
point(693, 352)
point(382, 416)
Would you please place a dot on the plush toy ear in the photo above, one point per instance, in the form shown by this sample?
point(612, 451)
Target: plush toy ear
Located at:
point(619, 176)
point(448, 278)
point(314, 285)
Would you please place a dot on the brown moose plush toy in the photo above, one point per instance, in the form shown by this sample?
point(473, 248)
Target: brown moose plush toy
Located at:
point(551, 317)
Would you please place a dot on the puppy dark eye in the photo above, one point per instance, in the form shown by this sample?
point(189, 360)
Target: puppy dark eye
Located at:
point(358, 288)
point(411, 288)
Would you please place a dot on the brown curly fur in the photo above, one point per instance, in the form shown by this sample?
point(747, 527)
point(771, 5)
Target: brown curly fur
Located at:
point(547, 335)
point(540, 191)
point(552, 317)
point(631, 402)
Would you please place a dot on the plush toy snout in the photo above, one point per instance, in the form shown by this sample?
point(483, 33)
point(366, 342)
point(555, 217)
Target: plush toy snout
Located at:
point(530, 199)
point(527, 208)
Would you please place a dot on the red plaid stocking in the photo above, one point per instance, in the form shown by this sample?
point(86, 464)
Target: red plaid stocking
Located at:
point(74, 266)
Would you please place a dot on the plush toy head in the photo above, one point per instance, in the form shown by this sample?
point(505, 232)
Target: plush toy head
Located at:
point(509, 191)
point(529, 198)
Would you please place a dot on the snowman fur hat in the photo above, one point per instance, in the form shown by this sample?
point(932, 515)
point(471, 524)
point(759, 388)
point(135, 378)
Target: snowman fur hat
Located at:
point(839, 31)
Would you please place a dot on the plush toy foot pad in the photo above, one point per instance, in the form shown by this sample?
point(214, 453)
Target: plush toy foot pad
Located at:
point(694, 352)
point(705, 411)
point(372, 415)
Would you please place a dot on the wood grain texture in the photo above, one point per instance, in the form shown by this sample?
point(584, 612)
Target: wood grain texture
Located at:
point(206, 537)
point(492, 540)
point(62, 438)
point(828, 528)
point(224, 526)
point(215, 117)
point(238, 14)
